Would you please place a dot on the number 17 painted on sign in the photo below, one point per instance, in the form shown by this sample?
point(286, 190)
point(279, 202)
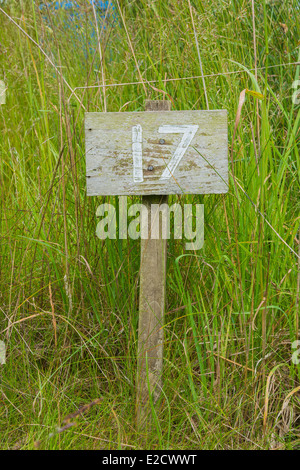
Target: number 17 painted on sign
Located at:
point(188, 132)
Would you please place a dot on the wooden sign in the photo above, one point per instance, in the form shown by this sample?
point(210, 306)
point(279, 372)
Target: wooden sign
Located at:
point(153, 154)
point(148, 153)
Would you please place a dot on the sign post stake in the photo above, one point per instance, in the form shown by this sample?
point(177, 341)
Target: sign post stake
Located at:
point(151, 305)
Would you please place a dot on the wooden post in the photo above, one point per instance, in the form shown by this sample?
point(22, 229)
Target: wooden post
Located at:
point(151, 307)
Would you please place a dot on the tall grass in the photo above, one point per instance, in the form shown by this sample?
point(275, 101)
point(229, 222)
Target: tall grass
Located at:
point(69, 302)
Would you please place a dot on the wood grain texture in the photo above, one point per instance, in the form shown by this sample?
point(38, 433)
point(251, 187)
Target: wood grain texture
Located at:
point(109, 153)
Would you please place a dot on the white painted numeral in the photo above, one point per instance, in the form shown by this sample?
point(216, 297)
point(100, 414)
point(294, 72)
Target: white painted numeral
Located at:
point(188, 132)
point(137, 153)
point(188, 135)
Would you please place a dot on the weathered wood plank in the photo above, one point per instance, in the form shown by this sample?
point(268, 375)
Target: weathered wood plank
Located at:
point(154, 160)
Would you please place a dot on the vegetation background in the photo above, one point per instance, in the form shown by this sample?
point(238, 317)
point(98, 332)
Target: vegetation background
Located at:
point(69, 301)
